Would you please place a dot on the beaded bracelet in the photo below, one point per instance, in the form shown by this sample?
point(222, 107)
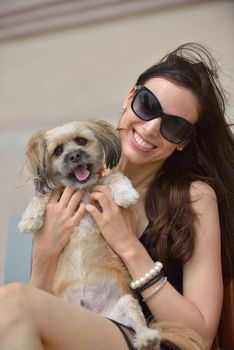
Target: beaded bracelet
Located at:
point(156, 290)
point(148, 276)
point(151, 282)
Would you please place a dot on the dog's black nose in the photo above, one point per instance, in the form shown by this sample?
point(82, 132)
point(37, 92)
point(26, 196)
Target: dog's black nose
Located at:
point(74, 156)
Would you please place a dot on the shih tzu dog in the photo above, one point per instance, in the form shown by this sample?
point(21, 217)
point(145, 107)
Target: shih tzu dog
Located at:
point(89, 272)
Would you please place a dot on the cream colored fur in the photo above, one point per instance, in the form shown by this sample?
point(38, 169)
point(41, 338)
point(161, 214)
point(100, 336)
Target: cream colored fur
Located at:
point(89, 272)
point(182, 337)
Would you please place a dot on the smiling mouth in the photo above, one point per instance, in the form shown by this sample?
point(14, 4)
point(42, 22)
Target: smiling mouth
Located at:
point(81, 173)
point(146, 146)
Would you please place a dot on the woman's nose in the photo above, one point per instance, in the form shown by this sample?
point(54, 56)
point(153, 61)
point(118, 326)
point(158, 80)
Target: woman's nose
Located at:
point(152, 127)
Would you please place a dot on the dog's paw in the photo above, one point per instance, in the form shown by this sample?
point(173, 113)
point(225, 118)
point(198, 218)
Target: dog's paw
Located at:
point(30, 225)
point(126, 197)
point(122, 191)
point(147, 339)
point(33, 216)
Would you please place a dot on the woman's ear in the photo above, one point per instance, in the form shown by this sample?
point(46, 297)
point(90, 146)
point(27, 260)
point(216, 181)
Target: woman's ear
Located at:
point(129, 97)
point(181, 146)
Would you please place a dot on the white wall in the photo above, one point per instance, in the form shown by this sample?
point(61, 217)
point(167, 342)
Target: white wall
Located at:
point(86, 72)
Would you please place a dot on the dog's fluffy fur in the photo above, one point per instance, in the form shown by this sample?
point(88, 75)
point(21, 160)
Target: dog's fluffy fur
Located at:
point(89, 272)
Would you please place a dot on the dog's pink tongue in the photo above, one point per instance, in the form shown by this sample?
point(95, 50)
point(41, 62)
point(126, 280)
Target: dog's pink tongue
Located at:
point(81, 172)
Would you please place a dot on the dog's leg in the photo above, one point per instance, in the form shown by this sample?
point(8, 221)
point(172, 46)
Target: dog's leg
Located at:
point(128, 312)
point(33, 216)
point(122, 191)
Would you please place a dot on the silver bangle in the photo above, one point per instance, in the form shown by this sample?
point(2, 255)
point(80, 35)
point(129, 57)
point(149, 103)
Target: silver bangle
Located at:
point(156, 290)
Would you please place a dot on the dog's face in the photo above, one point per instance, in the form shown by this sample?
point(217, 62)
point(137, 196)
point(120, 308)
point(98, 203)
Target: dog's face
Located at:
point(73, 154)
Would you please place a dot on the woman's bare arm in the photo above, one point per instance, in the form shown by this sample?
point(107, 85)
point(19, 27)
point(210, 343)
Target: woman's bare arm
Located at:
point(200, 306)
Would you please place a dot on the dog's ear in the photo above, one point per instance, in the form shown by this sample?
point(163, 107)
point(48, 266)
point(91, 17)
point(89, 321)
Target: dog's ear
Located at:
point(109, 139)
point(37, 161)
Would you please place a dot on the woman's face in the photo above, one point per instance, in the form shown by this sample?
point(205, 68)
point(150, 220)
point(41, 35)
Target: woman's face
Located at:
point(142, 142)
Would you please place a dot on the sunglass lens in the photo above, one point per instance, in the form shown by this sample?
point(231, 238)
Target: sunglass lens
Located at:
point(175, 129)
point(145, 105)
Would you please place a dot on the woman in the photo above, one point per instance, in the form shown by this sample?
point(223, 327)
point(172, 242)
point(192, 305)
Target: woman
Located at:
point(178, 151)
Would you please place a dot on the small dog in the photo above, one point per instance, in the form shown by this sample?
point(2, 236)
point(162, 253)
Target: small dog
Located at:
point(89, 272)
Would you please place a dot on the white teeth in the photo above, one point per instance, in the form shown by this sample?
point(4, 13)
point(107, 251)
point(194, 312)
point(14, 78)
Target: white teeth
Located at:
point(141, 142)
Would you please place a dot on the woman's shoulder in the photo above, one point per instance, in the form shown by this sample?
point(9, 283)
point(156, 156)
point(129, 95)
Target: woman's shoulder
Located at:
point(205, 206)
point(204, 201)
point(202, 192)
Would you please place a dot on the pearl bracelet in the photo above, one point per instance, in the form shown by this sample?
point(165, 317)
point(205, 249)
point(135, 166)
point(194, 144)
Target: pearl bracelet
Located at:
point(151, 282)
point(148, 276)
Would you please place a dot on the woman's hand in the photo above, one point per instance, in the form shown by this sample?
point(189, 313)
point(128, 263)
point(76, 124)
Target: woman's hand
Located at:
point(118, 225)
point(63, 213)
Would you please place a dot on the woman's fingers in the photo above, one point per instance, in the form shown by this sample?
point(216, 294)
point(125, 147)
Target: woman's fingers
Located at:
point(66, 196)
point(101, 199)
point(96, 214)
point(102, 207)
point(74, 202)
point(102, 195)
point(103, 189)
point(56, 195)
point(79, 214)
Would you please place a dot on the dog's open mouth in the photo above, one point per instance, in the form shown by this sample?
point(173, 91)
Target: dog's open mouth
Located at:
point(82, 173)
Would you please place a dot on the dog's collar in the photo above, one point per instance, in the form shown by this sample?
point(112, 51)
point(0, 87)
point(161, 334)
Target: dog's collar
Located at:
point(101, 173)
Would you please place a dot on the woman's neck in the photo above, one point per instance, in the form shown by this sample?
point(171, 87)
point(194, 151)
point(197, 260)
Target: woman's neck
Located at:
point(141, 176)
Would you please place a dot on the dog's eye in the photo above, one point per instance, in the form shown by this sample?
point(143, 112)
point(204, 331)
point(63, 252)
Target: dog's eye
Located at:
point(81, 141)
point(58, 150)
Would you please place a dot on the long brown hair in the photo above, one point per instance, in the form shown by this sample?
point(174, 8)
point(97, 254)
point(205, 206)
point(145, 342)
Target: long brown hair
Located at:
point(209, 157)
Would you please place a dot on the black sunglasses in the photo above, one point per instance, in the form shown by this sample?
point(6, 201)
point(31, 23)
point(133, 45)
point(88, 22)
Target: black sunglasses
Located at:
point(147, 107)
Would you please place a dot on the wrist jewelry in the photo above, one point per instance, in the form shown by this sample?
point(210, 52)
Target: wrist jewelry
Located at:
point(148, 276)
point(156, 290)
point(151, 282)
